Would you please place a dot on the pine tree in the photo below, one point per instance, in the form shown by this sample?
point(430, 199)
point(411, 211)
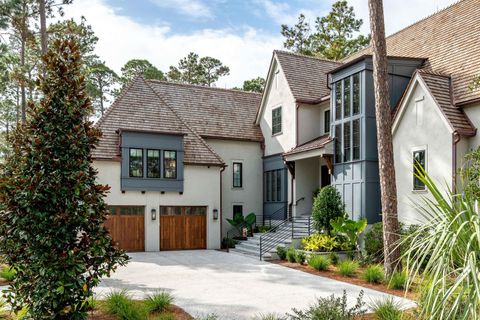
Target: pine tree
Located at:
point(51, 223)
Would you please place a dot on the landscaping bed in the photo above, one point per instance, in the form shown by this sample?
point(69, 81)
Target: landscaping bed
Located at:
point(172, 312)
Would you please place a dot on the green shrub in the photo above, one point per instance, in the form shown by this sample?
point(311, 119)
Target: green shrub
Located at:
point(333, 258)
point(228, 243)
point(91, 303)
point(386, 309)
point(268, 316)
point(282, 253)
point(166, 316)
point(328, 205)
point(398, 281)
point(119, 304)
point(374, 242)
point(319, 262)
point(331, 308)
point(321, 242)
point(158, 302)
point(349, 230)
point(300, 256)
point(347, 268)
point(291, 254)
point(263, 229)
point(8, 273)
point(373, 274)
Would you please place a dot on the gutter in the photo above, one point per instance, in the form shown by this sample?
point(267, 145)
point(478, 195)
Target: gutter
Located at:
point(221, 204)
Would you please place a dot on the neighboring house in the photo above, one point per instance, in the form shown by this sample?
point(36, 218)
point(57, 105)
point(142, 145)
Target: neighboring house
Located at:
point(294, 116)
point(179, 159)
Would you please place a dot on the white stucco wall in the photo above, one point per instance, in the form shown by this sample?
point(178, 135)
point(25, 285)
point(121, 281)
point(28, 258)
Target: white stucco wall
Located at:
point(278, 94)
point(473, 113)
point(250, 195)
point(311, 121)
point(431, 132)
point(307, 180)
point(201, 188)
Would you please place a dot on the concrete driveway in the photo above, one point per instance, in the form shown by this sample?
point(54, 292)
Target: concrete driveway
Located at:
point(230, 285)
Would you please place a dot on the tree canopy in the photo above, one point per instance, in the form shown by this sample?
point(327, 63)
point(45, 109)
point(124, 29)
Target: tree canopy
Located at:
point(334, 36)
point(254, 85)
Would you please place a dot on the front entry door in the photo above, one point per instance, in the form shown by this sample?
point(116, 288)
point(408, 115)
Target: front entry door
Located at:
point(326, 178)
point(183, 228)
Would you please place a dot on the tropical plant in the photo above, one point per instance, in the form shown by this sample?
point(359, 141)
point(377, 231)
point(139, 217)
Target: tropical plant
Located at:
point(328, 205)
point(348, 268)
point(444, 253)
point(239, 221)
point(386, 309)
point(322, 242)
point(300, 256)
point(319, 262)
point(331, 308)
point(158, 302)
point(52, 223)
point(470, 171)
point(373, 274)
point(228, 243)
point(374, 242)
point(8, 273)
point(282, 253)
point(291, 254)
point(349, 229)
point(398, 280)
point(333, 258)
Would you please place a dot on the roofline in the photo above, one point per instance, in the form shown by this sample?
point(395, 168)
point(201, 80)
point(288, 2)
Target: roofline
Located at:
point(231, 138)
point(306, 56)
point(313, 101)
point(265, 89)
point(365, 56)
point(172, 83)
point(120, 130)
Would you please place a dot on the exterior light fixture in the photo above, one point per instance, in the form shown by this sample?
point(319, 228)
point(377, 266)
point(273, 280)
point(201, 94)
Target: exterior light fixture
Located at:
point(215, 214)
point(154, 214)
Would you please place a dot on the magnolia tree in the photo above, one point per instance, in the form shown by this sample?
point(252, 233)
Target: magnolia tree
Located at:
point(51, 223)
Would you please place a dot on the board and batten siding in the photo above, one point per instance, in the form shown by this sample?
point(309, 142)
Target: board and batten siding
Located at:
point(202, 188)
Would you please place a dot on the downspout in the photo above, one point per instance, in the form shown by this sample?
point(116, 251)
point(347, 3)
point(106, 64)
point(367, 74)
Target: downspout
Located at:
point(221, 204)
point(455, 140)
point(297, 106)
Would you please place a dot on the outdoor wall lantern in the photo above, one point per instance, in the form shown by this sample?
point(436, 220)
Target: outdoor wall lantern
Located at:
point(154, 214)
point(215, 214)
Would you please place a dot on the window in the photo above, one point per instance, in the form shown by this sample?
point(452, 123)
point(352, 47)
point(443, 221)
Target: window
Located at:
point(153, 163)
point(195, 211)
point(356, 139)
point(346, 97)
point(346, 141)
point(356, 93)
point(135, 163)
point(237, 175)
point(338, 100)
point(338, 143)
point(169, 164)
point(273, 185)
point(277, 120)
point(237, 209)
point(419, 161)
point(268, 183)
point(170, 211)
point(126, 210)
point(279, 185)
point(326, 121)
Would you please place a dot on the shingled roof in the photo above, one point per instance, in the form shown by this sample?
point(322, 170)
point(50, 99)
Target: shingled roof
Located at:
point(450, 41)
point(306, 76)
point(141, 108)
point(314, 144)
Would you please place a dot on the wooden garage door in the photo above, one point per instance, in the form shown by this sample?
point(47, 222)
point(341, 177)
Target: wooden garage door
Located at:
point(183, 228)
point(127, 227)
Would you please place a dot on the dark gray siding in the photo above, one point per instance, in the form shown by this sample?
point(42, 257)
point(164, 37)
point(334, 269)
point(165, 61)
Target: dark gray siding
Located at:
point(358, 181)
point(277, 209)
point(146, 141)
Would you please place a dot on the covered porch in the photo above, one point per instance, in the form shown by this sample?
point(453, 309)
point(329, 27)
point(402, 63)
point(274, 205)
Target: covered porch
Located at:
point(310, 166)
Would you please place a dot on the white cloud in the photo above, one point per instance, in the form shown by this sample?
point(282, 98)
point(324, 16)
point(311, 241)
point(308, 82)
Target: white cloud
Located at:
point(192, 8)
point(247, 52)
point(282, 13)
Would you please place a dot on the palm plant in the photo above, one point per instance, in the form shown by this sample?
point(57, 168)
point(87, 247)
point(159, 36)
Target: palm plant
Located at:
point(444, 253)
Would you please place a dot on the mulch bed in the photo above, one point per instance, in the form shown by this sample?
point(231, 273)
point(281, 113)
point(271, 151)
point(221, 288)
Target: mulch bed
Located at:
point(331, 273)
point(179, 313)
point(4, 282)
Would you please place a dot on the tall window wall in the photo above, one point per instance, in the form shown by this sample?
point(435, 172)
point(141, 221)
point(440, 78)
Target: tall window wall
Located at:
point(347, 106)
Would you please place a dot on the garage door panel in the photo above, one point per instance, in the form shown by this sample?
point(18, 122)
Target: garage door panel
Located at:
point(195, 235)
point(126, 226)
point(183, 228)
point(172, 229)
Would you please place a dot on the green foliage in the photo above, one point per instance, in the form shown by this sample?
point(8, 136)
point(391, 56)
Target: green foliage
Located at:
point(398, 280)
point(158, 302)
point(348, 268)
point(269, 316)
point(166, 316)
point(101, 80)
point(475, 83)
point(8, 273)
point(334, 36)
point(134, 67)
point(51, 225)
point(470, 171)
point(228, 243)
point(291, 254)
point(349, 229)
point(254, 85)
point(374, 242)
point(300, 256)
point(319, 262)
point(328, 205)
point(373, 274)
point(282, 253)
point(239, 221)
point(119, 304)
point(386, 309)
point(331, 308)
point(319, 242)
point(263, 229)
point(333, 258)
point(445, 252)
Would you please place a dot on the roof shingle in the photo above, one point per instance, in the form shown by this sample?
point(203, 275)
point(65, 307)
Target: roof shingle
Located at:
point(314, 144)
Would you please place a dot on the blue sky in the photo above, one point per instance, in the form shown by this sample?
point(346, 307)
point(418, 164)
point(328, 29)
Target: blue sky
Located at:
point(241, 33)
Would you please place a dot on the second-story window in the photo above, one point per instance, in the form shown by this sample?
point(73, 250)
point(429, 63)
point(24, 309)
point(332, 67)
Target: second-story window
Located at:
point(169, 164)
point(338, 143)
point(346, 98)
point(356, 93)
point(346, 141)
point(277, 120)
point(326, 121)
point(356, 139)
point(237, 175)
point(153, 163)
point(338, 100)
point(135, 163)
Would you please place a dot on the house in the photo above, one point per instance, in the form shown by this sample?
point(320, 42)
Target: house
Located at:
point(179, 159)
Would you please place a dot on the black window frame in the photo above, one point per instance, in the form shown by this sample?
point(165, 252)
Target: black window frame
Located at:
point(165, 167)
point(356, 94)
point(418, 185)
point(338, 100)
point(159, 164)
point(236, 206)
point(130, 163)
point(338, 143)
point(356, 139)
point(347, 142)
point(240, 165)
point(326, 121)
point(347, 97)
point(277, 120)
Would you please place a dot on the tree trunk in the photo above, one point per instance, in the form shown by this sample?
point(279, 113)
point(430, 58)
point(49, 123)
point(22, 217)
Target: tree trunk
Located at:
point(43, 26)
point(384, 138)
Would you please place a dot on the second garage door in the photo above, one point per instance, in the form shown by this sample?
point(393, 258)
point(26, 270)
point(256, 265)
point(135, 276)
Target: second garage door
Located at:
point(183, 228)
point(126, 225)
